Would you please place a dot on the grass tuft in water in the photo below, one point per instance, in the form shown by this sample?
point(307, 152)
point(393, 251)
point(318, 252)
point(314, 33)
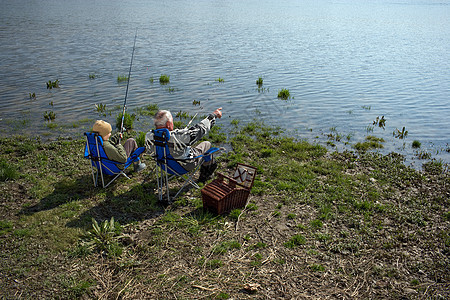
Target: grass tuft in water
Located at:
point(164, 79)
point(52, 84)
point(284, 94)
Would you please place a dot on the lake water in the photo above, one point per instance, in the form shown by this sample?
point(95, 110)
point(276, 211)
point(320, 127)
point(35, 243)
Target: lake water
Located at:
point(344, 62)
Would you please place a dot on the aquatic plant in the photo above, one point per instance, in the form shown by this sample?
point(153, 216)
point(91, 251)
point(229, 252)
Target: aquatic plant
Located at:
point(164, 79)
point(416, 144)
point(220, 80)
point(371, 142)
point(151, 79)
point(366, 107)
point(53, 84)
point(33, 96)
point(128, 121)
point(49, 116)
point(50, 103)
point(121, 78)
point(380, 122)
point(195, 102)
point(259, 82)
point(92, 76)
point(400, 134)
point(170, 89)
point(182, 115)
point(284, 94)
point(100, 108)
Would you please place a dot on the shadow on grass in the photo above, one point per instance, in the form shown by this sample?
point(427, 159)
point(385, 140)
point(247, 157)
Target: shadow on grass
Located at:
point(138, 203)
point(65, 191)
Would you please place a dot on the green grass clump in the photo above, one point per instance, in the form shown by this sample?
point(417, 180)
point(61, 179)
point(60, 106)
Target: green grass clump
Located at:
point(7, 171)
point(164, 79)
point(295, 241)
point(259, 81)
point(52, 84)
point(284, 94)
point(371, 142)
point(416, 144)
point(128, 121)
point(221, 80)
point(122, 78)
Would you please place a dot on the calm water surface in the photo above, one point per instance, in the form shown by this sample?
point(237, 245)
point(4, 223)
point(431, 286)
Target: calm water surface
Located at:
point(344, 63)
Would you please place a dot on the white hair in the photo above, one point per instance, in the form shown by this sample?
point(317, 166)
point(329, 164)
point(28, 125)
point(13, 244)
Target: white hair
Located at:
point(162, 117)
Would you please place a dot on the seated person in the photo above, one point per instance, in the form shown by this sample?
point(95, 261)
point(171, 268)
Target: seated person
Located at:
point(113, 149)
point(181, 141)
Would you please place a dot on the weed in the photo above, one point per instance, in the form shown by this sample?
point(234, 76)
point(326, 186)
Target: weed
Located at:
point(100, 108)
point(291, 216)
point(105, 237)
point(53, 84)
point(49, 116)
point(416, 144)
point(122, 78)
point(222, 296)
point(92, 76)
point(195, 102)
point(369, 129)
point(252, 206)
point(223, 247)
point(423, 155)
point(366, 107)
point(33, 96)
point(221, 80)
point(295, 241)
point(128, 121)
point(259, 81)
point(380, 122)
point(5, 226)
point(284, 94)
point(7, 171)
point(316, 223)
point(182, 115)
point(371, 142)
point(317, 268)
point(235, 213)
point(164, 79)
point(400, 134)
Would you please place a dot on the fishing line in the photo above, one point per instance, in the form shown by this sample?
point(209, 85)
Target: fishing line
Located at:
point(128, 83)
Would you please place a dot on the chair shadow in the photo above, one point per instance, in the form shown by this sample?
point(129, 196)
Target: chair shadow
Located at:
point(136, 204)
point(66, 190)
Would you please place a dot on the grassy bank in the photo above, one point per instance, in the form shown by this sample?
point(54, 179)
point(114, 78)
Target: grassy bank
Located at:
point(318, 224)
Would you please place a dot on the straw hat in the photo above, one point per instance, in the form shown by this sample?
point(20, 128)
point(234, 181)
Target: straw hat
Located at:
point(102, 127)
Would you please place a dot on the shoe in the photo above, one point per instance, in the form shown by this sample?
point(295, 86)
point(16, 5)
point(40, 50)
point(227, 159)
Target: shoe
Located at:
point(206, 172)
point(139, 167)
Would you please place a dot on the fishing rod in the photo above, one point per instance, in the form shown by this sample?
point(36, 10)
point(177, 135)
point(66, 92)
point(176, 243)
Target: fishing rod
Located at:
point(191, 121)
point(128, 83)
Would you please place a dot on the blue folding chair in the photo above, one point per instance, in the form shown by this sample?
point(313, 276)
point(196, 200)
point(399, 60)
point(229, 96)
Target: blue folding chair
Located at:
point(171, 166)
point(101, 164)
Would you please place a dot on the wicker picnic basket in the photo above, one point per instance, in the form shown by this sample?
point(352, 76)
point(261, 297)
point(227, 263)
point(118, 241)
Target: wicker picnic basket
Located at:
point(226, 193)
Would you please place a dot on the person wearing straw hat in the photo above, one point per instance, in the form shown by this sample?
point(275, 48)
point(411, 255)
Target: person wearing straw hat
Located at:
point(113, 148)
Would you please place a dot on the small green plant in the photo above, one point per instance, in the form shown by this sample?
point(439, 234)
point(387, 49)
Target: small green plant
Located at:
point(316, 223)
point(366, 107)
point(52, 84)
point(100, 108)
point(235, 213)
point(435, 167)
point(317, 268)
point(33, 96)
point(92, 76)
point(128, 121)
point(221, 80)
point(295, 241)
point(182, 115)
point(49, 116)
point(291, 216)
point(284, 94)
point(416, 144)
point(105, 237)
point(259, 82)
point(380, 122)
point(151, 79)
point(195, 102)
point(7, 171)
point(140, 139)
point(400, 134)
point(164, 79)
point(121, 78)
